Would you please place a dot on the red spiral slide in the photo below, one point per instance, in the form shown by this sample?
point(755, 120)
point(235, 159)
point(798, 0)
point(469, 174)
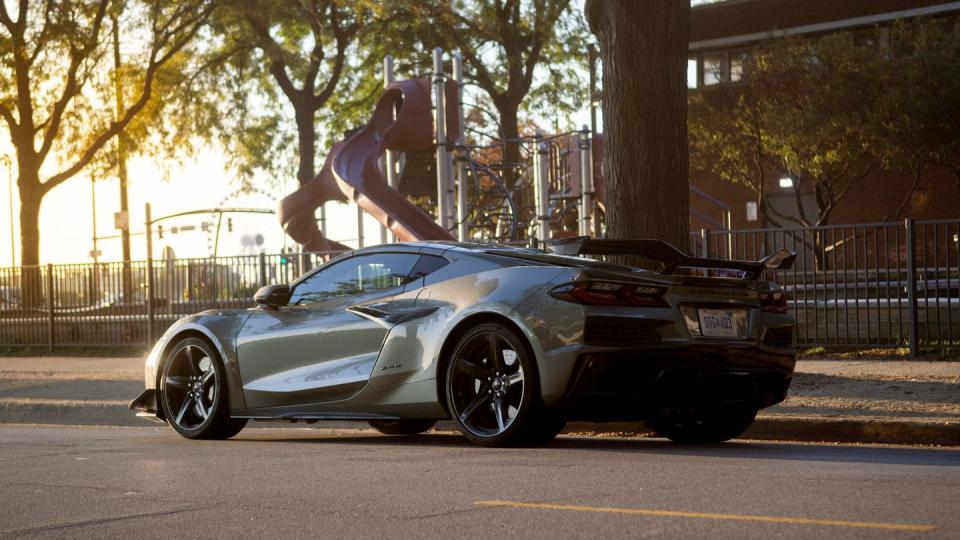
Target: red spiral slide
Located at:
point(350, 171)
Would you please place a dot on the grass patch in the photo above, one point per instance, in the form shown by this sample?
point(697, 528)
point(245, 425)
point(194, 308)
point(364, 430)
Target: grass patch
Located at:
point(898, 353)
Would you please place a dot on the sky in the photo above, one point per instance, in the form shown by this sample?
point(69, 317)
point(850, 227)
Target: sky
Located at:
point(66, 223)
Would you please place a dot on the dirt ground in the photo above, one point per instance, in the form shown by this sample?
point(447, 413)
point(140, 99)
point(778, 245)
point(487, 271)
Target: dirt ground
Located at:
point(874, 389)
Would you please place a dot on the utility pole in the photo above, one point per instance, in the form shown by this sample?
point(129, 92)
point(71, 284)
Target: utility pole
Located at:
point(94, 254)
point(121, 163)
point(13, 240)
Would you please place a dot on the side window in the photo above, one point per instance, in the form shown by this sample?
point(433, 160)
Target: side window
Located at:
point(427, 265)
point(362, 274)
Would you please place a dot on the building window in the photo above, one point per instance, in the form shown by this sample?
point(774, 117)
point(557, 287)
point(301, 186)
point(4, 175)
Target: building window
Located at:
point(713, 68)
point(872, 37)
point(692, 72)
point(738, 62)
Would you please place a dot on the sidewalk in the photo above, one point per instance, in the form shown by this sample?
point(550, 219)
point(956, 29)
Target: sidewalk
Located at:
point(893, 401)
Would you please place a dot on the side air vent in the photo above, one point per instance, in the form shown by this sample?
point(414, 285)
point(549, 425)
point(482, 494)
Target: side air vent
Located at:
point(778, 337)
point(620, 331)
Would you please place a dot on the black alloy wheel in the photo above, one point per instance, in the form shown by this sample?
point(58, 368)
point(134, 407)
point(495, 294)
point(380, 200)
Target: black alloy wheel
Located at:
point(492, 388)
point(194, 392)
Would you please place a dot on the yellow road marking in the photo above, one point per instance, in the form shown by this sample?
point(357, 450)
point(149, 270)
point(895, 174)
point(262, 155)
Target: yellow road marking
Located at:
point(707, 515)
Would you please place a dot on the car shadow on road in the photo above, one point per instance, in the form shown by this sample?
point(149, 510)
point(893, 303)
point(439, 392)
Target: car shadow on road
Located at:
point(739, 449)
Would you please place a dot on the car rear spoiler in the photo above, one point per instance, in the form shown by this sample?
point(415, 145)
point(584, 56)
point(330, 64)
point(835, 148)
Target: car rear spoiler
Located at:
point(669, 257)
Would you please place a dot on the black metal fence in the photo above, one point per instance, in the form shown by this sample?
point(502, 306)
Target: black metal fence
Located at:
point(106, 304)
point(862, 285)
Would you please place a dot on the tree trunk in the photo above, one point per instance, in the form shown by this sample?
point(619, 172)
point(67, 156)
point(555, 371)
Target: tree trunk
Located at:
point(643, 47)
point(30, 198)
point(307, 139)
point(31, 284)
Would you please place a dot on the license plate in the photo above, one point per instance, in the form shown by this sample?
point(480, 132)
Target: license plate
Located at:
point(723, 322)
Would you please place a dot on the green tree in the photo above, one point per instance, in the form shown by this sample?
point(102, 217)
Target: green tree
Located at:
point(830, 112)
point(519, 53)
point(921, 132)
point(277, 66)
point(57, 91)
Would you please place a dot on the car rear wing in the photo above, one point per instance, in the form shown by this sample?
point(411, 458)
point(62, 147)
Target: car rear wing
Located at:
point(669, 257)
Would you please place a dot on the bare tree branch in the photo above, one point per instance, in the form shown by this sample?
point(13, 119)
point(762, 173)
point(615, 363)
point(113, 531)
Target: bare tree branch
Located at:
point(71, 88)
point(344, 35)
point(8, 116)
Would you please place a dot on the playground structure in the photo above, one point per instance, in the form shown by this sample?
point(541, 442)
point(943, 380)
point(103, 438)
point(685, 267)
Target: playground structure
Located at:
point(416, 148)
point(423, 173)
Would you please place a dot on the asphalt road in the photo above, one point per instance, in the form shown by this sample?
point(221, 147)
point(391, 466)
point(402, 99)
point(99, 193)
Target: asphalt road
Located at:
point(149, 482)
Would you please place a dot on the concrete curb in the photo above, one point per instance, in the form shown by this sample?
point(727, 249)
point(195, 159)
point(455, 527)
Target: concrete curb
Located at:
point(854, 430)
point(84, 413)
point(792, 428)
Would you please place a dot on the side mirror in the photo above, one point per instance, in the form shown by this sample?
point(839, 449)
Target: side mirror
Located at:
point(273, 296)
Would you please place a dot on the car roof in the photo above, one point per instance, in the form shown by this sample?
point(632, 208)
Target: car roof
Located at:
point(532, 255)
point(443, 246)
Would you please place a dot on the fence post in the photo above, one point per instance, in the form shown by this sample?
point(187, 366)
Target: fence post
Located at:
point(50, 307)
point(728, 225)
point(148, 224)
point(912, 287)
point(263, 270)
point(705, 240)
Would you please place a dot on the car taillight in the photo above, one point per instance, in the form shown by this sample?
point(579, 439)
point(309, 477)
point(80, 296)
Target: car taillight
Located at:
point(609, 293)
point(774, 302)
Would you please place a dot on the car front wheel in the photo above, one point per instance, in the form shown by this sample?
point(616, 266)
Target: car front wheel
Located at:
point(193, 391)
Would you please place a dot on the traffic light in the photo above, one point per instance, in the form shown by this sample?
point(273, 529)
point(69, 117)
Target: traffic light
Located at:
point(229, 224)
point(160, 232)
point(283, 259)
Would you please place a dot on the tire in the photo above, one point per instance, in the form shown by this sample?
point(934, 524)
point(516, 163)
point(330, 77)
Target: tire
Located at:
point(492, 388)
point(402, 427)
point(194, 394)
point(707, 427)
point(550, 425)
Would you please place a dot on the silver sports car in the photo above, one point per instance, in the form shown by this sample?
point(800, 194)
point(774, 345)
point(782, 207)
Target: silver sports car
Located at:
point(509, 343)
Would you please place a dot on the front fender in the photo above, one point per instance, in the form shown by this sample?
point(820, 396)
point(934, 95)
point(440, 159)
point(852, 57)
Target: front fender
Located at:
point(220, 328)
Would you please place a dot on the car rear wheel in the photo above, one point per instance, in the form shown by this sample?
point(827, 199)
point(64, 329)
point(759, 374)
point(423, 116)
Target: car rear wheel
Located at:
point(492, 387)
point(402, 427)
point(704, 427)
point(193, 393)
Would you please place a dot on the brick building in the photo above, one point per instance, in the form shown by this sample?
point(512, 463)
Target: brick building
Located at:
point(721, 37)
